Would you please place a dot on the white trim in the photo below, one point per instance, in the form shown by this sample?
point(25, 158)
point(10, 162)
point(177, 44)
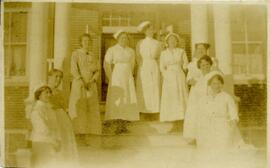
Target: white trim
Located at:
point(16, 10)
point(246, 78)
point(16, 81)
point(2, 73)
point(17, 131)
point(15, 43)
point(248, 42)
point(113, 29)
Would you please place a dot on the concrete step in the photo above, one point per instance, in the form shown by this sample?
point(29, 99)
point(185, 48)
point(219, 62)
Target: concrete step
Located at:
point(128, 140)
point(147, 127)
point(155, 127)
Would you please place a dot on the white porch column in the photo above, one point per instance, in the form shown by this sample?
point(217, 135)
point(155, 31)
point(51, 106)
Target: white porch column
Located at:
point(37, 44)
point(61, 35)
point(37, 49)
point(223, 48)
point(223, 37)
point(199, 24)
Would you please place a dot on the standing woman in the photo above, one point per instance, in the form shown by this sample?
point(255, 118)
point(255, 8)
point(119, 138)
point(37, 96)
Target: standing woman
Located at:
point(84, 101)
point(148, 79)
point(173, 63)
point(194, 73)
point(45, 135)
point(121, 104)
point(198, 90)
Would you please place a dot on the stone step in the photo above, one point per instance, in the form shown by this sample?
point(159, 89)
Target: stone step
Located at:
point(147, 127)
point(155, 127)
point(127, 140)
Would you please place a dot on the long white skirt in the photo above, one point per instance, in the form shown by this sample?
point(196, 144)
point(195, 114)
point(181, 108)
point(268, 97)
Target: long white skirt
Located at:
point(190, 122)
point(148, 87)
point(121, 97)
point(174, 96)
point(68, 150)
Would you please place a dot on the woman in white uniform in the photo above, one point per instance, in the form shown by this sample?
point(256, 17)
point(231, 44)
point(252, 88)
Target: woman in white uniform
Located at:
point(68, 152)
point(173, 63)
point(217, 118)
point(148, 76)
point(198, 90)
point(45, 135)
point(194, 73)
point(121, 104)
point(84, 102)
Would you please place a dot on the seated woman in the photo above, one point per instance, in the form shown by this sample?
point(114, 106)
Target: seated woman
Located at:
point(68, 151)
point(219, 141)
point(45, 135)
point(218, 117)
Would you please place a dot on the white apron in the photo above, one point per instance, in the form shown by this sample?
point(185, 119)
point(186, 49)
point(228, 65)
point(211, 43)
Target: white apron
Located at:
point(196, 91)
point(121, 97)
point(174, 87)
point(148, 76)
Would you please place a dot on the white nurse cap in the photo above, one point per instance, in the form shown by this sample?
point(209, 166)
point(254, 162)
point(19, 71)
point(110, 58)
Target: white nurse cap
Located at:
point(172, 34)
point(143, 25)
point(117, 34)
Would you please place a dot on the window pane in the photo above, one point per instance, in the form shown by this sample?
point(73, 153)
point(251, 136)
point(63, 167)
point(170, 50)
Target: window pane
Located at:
point(256, 64)
point(7, 55)
point(239, 59)
point(124, 22)
point(105, 22)
point(6, 27)
point(17, 65)
point(18, 27)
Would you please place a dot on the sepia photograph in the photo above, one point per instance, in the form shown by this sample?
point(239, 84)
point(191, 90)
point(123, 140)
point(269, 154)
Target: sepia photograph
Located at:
point(129, 84)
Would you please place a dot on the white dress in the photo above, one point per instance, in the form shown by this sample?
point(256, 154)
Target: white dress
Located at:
point(214, 129)
point(69, 151)
point(148, 76)
point(121, 97)
point(45, 135)
point(174, 87)
point(196, 91)
point(84, 105)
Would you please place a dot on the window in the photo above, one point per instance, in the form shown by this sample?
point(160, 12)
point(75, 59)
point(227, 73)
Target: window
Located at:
point(249, 42)
point(116, 19)
point(15, 44)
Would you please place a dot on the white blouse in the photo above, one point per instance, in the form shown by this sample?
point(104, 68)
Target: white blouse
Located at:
point(220, 105)
point(44, 123)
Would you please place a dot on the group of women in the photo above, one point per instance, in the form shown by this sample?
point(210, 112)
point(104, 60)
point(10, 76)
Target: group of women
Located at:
point(161, 86)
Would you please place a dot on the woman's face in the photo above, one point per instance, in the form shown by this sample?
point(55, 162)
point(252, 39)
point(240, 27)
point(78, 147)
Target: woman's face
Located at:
point(56, 79)
point(149, 31)
point(201, 50)
point(45, 95)
point(216, 85)
point(85, 42)
point(172, 41)
point(123, 39)
point(205, 66)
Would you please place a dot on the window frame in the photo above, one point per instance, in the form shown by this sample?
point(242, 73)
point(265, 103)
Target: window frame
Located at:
point(17, 80)
point(245, 78)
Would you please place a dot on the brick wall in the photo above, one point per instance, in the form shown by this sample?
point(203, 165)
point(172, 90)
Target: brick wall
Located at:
point(14, 106)
point(252, 107)
point(15, 121)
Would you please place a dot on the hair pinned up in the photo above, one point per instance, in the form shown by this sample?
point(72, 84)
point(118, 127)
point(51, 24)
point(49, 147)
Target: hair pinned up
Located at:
point(205, 58)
